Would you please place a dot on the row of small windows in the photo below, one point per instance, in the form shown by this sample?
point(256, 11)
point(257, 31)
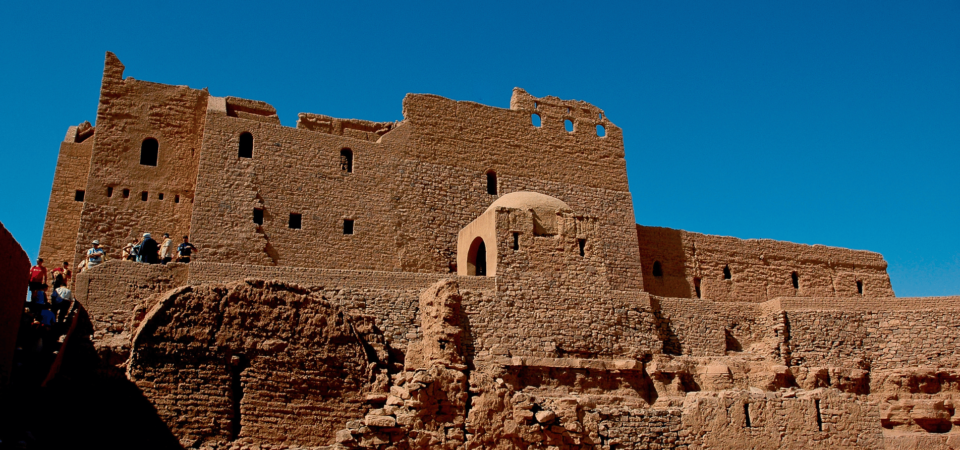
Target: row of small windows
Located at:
point(794, 277)
point(296, 221)
point(567, 125)
point(80, 195)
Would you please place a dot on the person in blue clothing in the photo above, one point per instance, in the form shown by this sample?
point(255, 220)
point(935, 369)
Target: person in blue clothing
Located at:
point(149, 250)
point(38, 299)
point(185, 249)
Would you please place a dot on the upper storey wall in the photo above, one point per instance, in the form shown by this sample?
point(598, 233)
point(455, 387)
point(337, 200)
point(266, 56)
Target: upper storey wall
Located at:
point(67, 196)
point(480, 137)
point(130, 112)
point(759, 269)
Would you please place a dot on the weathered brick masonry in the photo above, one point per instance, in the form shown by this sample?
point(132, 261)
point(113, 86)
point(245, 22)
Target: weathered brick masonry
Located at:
point(468, 277)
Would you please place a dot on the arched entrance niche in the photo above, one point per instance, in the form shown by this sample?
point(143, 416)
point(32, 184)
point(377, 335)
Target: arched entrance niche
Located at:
point(477, 258)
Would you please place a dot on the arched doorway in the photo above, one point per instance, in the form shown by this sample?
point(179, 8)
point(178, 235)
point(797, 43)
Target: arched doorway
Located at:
point(477, 258)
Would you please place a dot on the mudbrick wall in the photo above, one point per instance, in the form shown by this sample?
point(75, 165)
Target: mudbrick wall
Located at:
point(14, 268)
point(67, 196)
point(726, 269)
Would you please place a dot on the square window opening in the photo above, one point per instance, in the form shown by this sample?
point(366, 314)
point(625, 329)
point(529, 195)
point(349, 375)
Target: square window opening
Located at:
point(126, 193)
point(78, 196)
point(109, 191)
point(143, 196)
point(296, 221)
point(347, 226)
point(258, 216)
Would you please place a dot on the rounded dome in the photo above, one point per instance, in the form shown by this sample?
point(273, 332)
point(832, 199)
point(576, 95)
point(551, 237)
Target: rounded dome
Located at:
point(544, 209)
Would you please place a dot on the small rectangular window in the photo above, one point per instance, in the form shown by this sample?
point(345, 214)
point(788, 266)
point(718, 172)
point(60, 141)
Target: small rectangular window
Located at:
point(143, 196)
point(347, 226)
point(516, 241)
point(78, 196)
point(582, 243)
point(176, 199)
point(296, 221)
point(258, 216)
point(109, 192)
point(160, 196)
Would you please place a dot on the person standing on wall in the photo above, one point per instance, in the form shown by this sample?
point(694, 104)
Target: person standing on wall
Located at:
point(166, 249)
point(95, 255)
point(38, 276)
point(149, 250)
point(185, 249)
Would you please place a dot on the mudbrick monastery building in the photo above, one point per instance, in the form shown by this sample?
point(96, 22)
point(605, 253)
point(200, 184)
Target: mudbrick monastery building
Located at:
point(470, 277)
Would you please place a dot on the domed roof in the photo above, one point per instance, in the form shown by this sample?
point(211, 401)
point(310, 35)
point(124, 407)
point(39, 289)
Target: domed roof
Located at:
point(541, 203)
point(544, 209)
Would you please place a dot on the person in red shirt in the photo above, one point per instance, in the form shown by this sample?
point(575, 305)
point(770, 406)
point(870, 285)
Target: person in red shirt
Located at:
point(61, 275)
point(38, 276)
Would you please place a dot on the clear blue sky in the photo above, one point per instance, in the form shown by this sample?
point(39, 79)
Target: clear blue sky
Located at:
point(819, 122)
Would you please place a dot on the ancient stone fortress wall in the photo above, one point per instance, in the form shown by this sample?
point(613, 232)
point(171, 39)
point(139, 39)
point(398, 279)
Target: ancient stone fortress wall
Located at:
point(720, 268)
point(67, 196)
point(143, 166)
point(14, 269)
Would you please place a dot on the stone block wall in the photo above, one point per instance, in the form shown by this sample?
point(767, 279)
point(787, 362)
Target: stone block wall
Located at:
point(67, 196)
point(697, 327)
point(759, 269)
point(14, 272)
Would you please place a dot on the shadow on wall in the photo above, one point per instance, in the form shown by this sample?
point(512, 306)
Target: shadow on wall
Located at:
point(663, 246)
point(665, 332)
point(82, 404)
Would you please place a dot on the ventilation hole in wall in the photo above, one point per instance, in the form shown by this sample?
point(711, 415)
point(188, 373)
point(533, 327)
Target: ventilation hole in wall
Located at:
point(160, 196)
point(237, 365)
point(696, 287)
point(816, 403)
point(78, 196)
point(795, 279)
point(726, 272)
point(346, 160)
point(296, 221)
point(601, 131)
point(143, 196)
point(582, 243)
point(516, 241)
point(149, 150)
point(245, 149)
point(568, 125)
point(258, 216)
point(535, 120)
point(109, 192)
point(347, 226)
point(746, 415)
point(126, 193)
point(859, 287)
point(492, 183)
point(176, 199)
point(657, 269)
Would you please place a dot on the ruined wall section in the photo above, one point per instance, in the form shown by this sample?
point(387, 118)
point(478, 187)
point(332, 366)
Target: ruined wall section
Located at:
point(67, 196)
point(759, 269)
point(584, 170)
point(704, 328)
point(131, 111)
point(873, 334)
point(14, 269)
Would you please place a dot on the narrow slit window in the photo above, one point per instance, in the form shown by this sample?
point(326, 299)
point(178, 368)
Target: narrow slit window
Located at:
point(246, 145)
point(657, 269)
point(816, 403)
point(143, 196)
point(258, 216)
point(535, 120)
point(160, 196)
point(601, 131)
point(149, 150)
point(726, 273)
point(516, 241)
point(176, 199)
point(696, 287)
point(78, 196)
point(746, 415)
point(126, 193)
point(859, 287)
point(109, 192)
point(347, 226)
point(795, 279)
point(600, 115)
point(492, 183)
point(346, 160)
point(296, 221)
point(568, 125)
point(582, 243)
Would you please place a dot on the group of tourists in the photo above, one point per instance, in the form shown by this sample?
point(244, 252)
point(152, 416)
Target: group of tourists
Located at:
point(45, 313)
point(150, 252)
